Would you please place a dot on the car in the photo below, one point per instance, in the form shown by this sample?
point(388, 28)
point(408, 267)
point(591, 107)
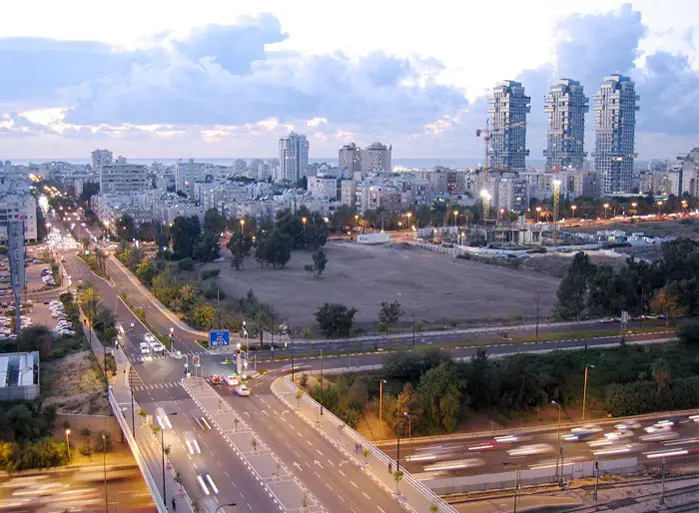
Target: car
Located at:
point(618, 435)
point(157, 347)
point(527, 450)
point(658, 428)
point(628, 425)
point(232, 380)
point(587, 428)
point(46, 302)
point(607, 320)
point(215, 379)
point(242, 391)
point(191, 442)
point(145, 348)
point(659, 436)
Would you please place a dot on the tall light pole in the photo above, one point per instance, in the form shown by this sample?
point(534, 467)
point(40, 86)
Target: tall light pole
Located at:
point(606, 207)
point(242, 225)
point(660, 204)
point(172, 340)
point(516, 467)
point(398, 441)
point(485, 196)
point(573, 208)
point(556, 201)
point(381, 382)
point(587, 367)
point(68, 442)
point(559, 475)
point(321, 378)
point(104, 466)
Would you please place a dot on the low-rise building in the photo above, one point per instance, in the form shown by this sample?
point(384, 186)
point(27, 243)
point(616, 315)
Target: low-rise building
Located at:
point(16, 206)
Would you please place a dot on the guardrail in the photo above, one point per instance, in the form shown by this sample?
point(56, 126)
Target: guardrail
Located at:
point(140, 460)
point(138, 456)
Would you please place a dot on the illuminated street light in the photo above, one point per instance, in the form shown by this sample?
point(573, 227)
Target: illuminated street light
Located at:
point(573, 208)
point(486, 197)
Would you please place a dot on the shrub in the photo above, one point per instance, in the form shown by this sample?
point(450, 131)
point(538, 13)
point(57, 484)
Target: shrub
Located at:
point(186, 264)
point(209, 273)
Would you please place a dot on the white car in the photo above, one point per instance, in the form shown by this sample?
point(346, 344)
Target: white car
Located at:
point(145, 348)
point(628, 425)
point(157, 347)
point(191, 442)
point(618, 435)
point(232, 380)
point(527, 450)
point(242, 391)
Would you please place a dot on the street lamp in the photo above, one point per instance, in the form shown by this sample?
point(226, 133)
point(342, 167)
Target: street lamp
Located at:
point(456, 218)
point(606, 207)
point(559, 475)
point(381, 382)
point(304, 220)
point(410, 426)
point(587, 367)
point(242, 225)
point(68, 442)
point(232, 504)
point(573, 208)
point(634, 205)
point(538, 214)
point(104, 466)
point(660, 204)
point(172, 340)
point(516, 467)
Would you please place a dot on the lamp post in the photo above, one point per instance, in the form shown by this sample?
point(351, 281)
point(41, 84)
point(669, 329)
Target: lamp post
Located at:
point(660, 204)
point(398, 444)
point(321, 378)
point(68, 442)
point(104, 466)
point(573, 208)
point(410, 426)
point(587, 367)
point(242, 225)
point(516, 467)
point(559, 475)
point(381, 382)
point(633, 206)
point(172, 340)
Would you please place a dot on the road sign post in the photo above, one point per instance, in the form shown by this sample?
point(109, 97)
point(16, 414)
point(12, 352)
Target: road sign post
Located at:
point(219, 338)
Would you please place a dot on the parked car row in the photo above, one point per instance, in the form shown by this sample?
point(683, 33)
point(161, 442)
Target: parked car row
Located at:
point(64, 327)
point(151, 344)
point(231, 380)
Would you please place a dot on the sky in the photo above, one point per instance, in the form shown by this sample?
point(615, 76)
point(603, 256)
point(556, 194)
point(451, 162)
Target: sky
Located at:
point(223, 79)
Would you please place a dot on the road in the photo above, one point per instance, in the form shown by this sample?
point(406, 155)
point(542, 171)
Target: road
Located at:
point(78, 489)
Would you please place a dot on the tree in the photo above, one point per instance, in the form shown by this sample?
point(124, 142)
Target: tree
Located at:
point(213, 221)
point(100, 258)
point(666, 302)
point(133, 258)
point(146, 272)
point(440, 397)
point(89, 301)
point(661, 372)
point(204, 316)
point(206, 249)
point(185, 233)
point(319, 261)
point(390, 313)
point(572, 291)
point(125, 227)
point(335, 319)
point(343, 218)
point(274, 248)
point(239, 245)
point(689, 333)
point(105, 323)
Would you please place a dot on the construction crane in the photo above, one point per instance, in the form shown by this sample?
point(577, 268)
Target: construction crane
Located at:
point(487, 133)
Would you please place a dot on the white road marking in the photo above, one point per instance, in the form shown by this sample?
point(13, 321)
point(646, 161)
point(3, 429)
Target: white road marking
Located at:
point(354, 484)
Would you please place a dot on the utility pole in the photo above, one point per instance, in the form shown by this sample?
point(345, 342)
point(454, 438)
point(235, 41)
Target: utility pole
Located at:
point(662, 481)
point(594, 496)
point(321, 378)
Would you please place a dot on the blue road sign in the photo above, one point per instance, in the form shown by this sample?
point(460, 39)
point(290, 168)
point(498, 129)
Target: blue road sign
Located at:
point(219, 338)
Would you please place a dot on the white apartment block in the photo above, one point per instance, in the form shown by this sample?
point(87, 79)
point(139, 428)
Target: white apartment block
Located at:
point(293, 158)
point(615, 127)
point(508, 111)
point(13, 207)
point(190, 172)
point(323, 187)
point(377, 158)
point(124, 178)
point(349, 157)
point(99, 158)
point(348, 192)
point(689, 169)
point(371, 197)
point(565, 107)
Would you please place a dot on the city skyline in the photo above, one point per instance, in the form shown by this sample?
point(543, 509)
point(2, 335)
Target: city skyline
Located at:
point(186, 87)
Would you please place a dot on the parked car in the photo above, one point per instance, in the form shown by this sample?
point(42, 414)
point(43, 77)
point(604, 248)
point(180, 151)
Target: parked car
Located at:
point(145, 348)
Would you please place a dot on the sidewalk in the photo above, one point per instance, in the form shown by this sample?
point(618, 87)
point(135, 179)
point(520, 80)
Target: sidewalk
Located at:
point(414, 496)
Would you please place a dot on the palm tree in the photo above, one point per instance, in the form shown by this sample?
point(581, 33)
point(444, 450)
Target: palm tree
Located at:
point(100, 257)
point(89, 301)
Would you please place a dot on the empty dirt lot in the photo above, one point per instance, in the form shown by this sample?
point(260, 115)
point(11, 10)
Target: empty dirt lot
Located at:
point(433, 287)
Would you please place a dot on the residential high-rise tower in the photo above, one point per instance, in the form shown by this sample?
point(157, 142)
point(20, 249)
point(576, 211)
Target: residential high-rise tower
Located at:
point(508, 111)
point(615, 127)
point(349, 157)
point(565, 107)
point(293, 158)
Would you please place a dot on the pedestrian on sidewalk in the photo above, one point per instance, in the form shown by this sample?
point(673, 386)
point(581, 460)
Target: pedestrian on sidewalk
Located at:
point(390, 467)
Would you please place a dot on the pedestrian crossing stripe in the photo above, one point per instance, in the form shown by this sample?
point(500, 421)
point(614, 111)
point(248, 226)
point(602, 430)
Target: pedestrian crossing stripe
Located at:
point(157, 386)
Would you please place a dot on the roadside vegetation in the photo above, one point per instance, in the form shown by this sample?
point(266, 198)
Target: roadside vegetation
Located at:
point(668, 286)
point(440, 395)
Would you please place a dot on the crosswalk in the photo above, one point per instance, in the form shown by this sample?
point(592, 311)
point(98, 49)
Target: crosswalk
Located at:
point(151, 357)
point(157, 386)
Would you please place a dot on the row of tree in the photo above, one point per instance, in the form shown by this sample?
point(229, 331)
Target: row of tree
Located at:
point(337, 320)
point(667, 286)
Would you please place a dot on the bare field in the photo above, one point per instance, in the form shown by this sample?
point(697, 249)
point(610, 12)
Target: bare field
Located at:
point(74, 384)
point(434, 287)
point(665, 228)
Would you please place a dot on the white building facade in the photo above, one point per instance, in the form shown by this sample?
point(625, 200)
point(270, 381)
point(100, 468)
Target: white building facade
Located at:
point(565, 107)
point(508, 111)
point(293, 158)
